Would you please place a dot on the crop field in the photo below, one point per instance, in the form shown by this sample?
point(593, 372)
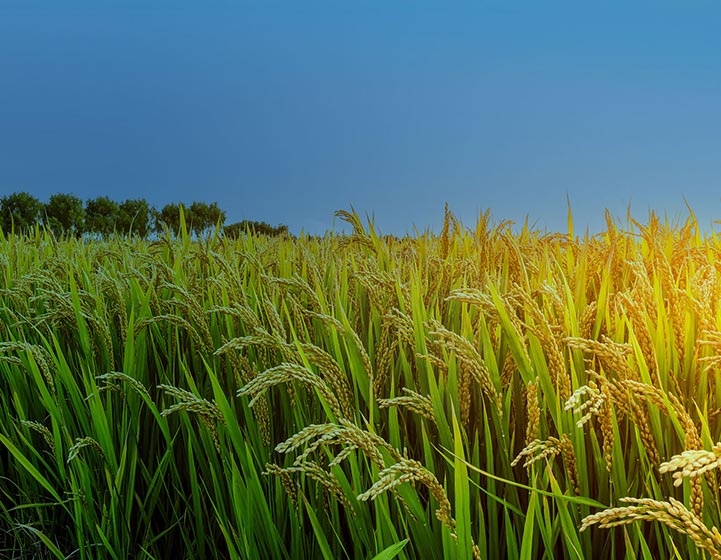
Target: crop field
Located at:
point(486, 392)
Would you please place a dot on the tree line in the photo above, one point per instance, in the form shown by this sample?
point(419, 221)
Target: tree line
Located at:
point(66, 214)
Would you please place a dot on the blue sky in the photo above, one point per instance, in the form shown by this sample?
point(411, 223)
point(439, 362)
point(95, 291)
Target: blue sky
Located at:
point(287, 111)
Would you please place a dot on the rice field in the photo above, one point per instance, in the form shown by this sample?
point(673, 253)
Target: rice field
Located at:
point(482, 393)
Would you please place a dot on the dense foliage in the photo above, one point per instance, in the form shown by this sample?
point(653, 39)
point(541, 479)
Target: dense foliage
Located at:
point(270, 397)
point(260, 228)
point(102, 217)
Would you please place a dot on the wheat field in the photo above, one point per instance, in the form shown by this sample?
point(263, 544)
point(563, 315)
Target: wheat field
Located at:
point(482, 393)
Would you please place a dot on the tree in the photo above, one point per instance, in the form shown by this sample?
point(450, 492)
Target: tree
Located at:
point(64, 214)
point(216, 216)
point(134, 218)
point(234, 230)
point(101, 215)
point(201, 217)
point(19, 210)
point(196, 217)
point(168, 217)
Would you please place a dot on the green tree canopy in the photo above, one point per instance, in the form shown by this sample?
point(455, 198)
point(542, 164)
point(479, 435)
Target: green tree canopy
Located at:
point(201, 217)
point(216, 216)
point(64, 214)
point(101, 215)
point(134, 218)
point(262, 228)
point(19, 210)
point(168, 217)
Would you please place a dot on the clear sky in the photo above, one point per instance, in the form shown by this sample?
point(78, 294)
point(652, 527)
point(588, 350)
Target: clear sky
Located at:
point(287, 111)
